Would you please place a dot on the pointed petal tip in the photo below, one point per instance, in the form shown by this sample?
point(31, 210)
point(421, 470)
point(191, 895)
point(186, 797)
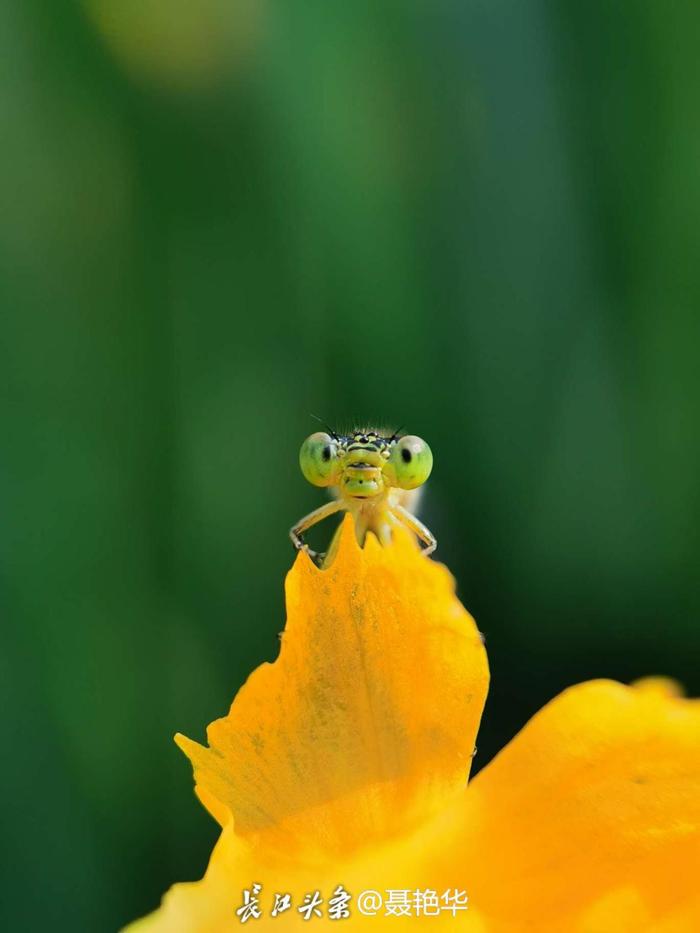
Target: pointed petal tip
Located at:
point(187, 745)
point(347, 541)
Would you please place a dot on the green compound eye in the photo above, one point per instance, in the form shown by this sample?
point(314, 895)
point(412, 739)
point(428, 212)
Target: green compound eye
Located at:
point(410, 463)
point(318, 459)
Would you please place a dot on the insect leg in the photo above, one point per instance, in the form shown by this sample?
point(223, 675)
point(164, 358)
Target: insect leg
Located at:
point(308, 521)
point(416, 526)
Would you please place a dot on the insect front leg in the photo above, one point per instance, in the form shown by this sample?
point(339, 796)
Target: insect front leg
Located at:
point(308, 521)
point(416, 526)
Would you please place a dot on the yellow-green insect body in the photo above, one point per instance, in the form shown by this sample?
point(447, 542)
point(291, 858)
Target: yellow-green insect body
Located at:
point(373, 476)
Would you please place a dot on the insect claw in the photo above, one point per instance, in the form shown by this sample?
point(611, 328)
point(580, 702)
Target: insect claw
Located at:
point(314, 555)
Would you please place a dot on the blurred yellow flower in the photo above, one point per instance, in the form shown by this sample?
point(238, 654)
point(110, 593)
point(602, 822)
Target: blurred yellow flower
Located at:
point(342, 767)
point(180, 44)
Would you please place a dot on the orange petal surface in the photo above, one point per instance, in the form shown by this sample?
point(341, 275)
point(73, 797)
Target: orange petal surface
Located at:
point(590, 818)
point(365, 724)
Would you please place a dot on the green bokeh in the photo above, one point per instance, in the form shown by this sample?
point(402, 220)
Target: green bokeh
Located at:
point(479, 220)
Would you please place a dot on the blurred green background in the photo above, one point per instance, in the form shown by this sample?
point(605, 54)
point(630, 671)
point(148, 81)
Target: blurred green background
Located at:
point(480, 220)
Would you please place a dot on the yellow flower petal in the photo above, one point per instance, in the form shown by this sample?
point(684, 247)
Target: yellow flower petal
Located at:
point(209, 906)
point(663, 686)
point(365, 724)
point(362, 728)
point(344, 762)
point(592, 811)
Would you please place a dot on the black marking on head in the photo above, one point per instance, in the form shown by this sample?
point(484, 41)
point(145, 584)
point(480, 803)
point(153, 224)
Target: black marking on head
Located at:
point(364, 436)
point(326, 453)
point(406, 455)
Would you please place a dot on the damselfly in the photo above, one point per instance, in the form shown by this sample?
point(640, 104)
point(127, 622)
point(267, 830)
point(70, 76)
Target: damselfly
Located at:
point(373, 476)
